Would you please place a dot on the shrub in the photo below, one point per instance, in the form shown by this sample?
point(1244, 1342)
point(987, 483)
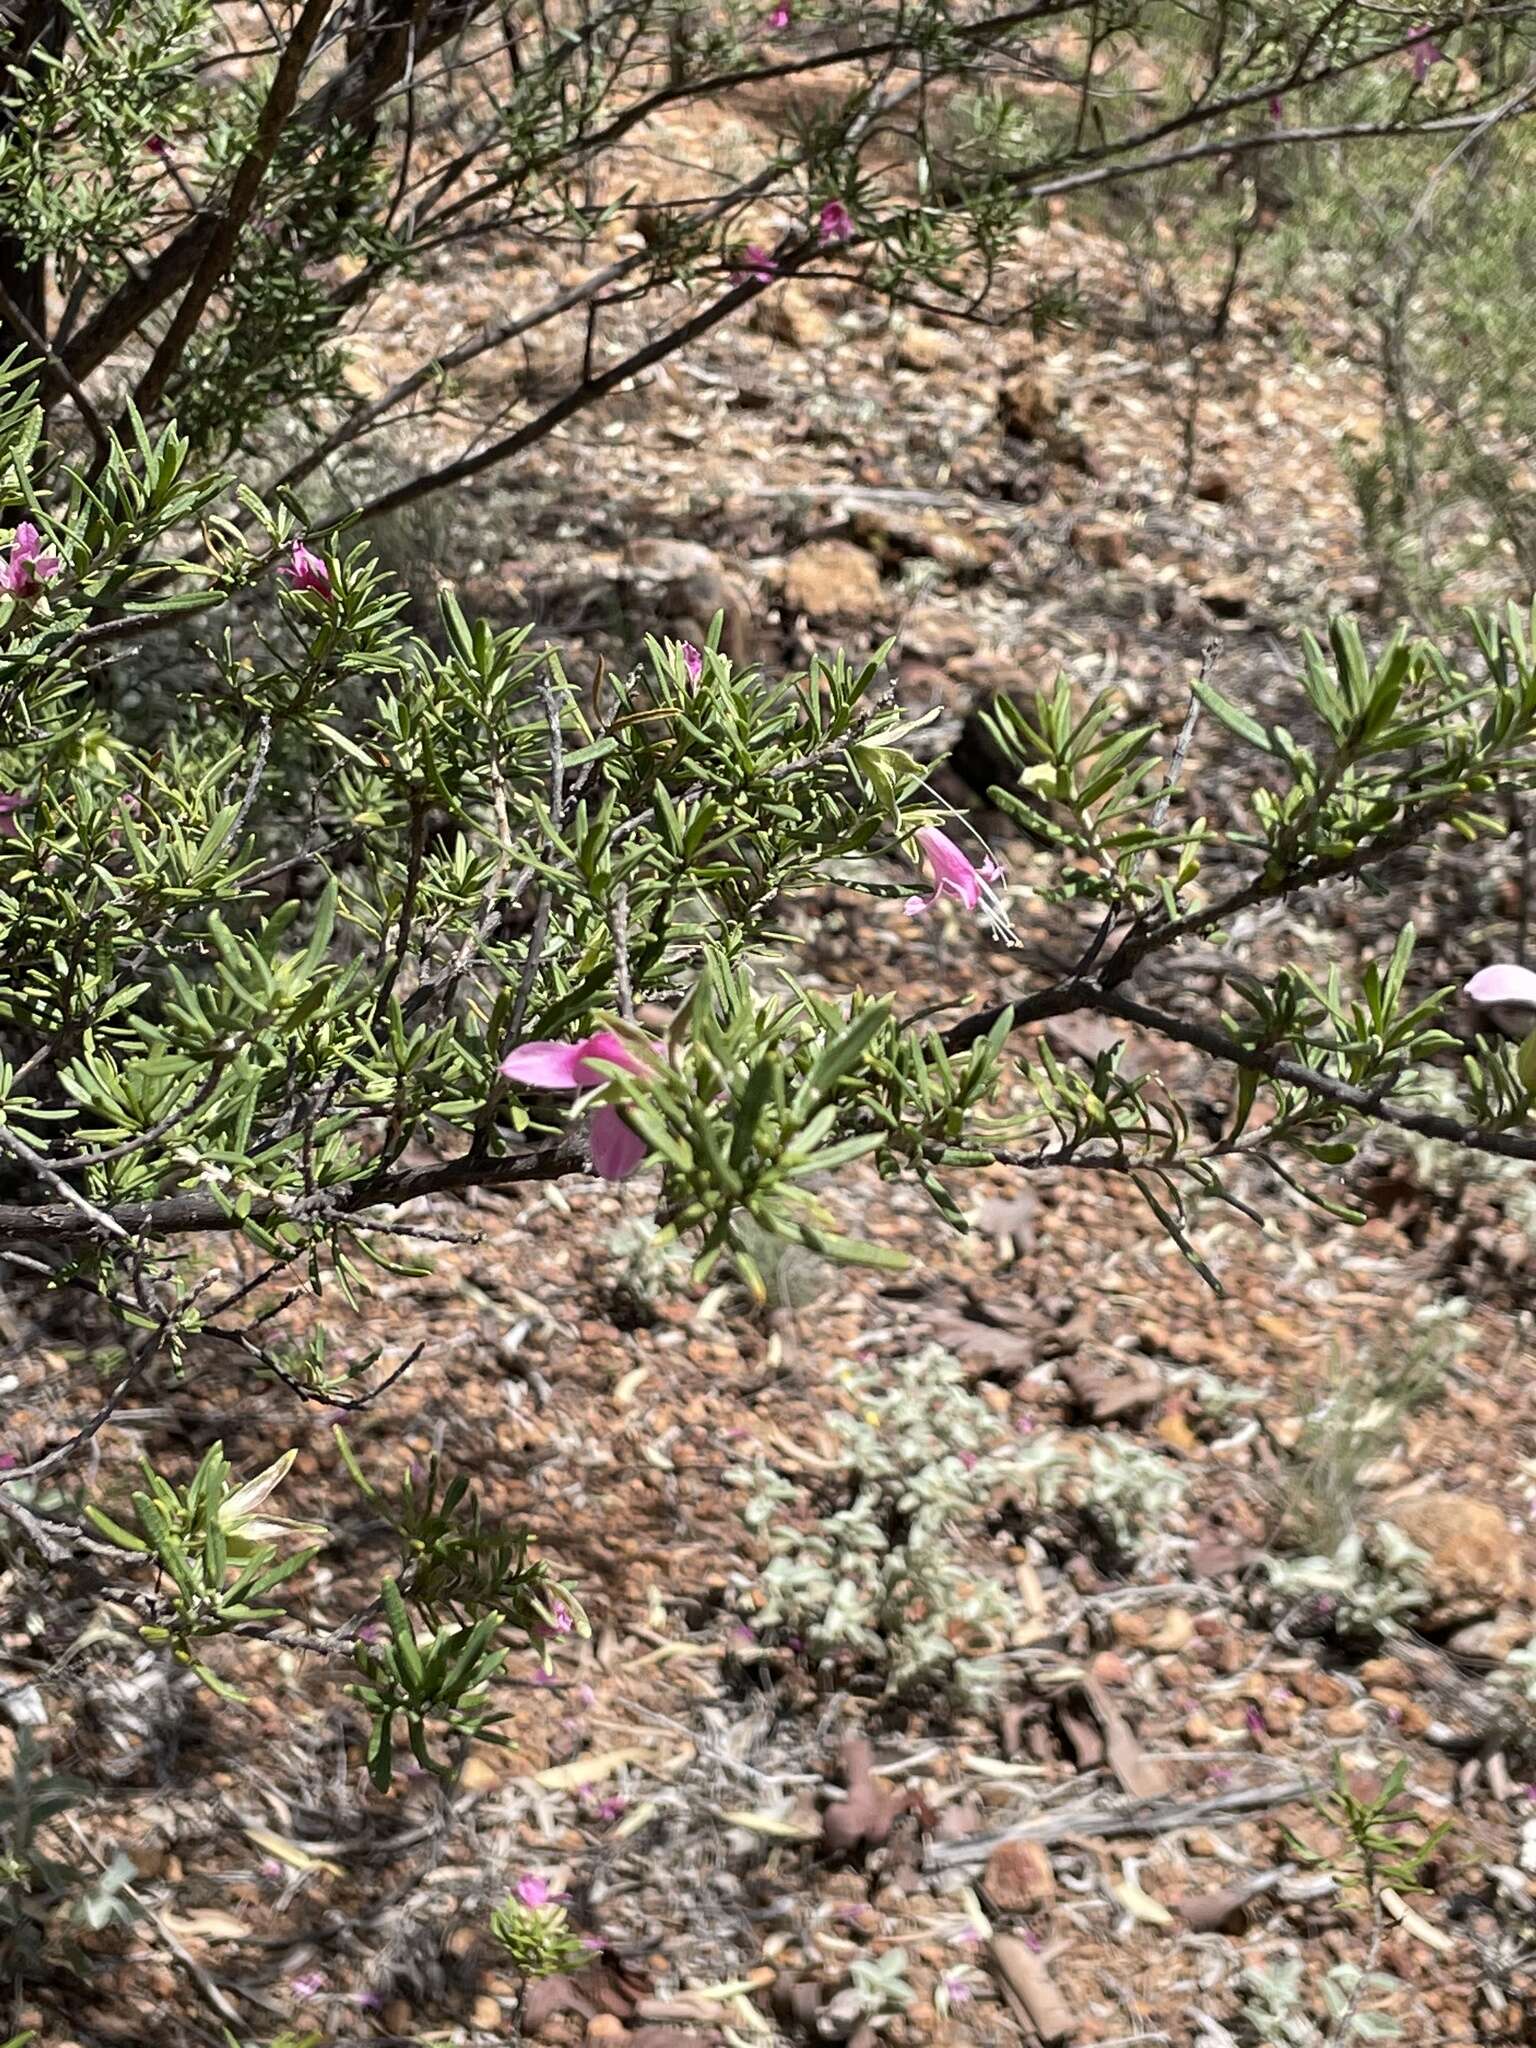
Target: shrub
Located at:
point(342, 918)
point(201, 214)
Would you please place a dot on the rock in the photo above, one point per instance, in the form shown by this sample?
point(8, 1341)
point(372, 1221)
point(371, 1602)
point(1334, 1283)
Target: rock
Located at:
point(1030, 407)
point(679, 587)
point(604, 2026)
point(667, 561)
point(1019, 1878)
point(1029, 404)
point(933, 634)
point(790, 314)
point(1473, 1561)
point(1229, 597)
point(902, 536)
point(1216, 486)
point(1491, 1641)
point(832, 579)
point(929, 348)
point(479, 1775)
point(1097, 541)
point(486, 2013)
point(1340, 1723)
point(1110, 1669)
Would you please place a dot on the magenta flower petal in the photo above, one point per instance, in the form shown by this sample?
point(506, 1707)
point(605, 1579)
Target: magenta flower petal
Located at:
point(306, 570)
point(1505, 983)
point(546, 1063)
point(533, 1890)
point(25, 570)
point(616, 1149)
point(954, 873)
point(604, 1045)
point(758, 263)
point(835, 223)
point(1426, 52)
point(693, 661)
point(10, 824)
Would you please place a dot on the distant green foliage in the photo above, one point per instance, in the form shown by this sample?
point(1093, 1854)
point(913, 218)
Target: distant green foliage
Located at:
point(41, 1885)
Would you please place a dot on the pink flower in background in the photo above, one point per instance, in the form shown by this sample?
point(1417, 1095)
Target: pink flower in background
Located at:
point(780, 17)
point(27, 568)
point(10, 824)
point(759, 263)
point(560, 1623)
point(307, 1986)
point(693, 661)
point(306, 570)
point(533, 1890)
point(1507, 994)
point(1276, 111)
point(835, 225)
point(157, 145)
point(1425, 53)
point(549, 1063)
point(954, 874)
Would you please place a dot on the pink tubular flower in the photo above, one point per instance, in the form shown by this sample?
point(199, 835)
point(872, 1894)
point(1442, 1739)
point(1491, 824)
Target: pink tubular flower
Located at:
point(560, 1623)
point(1276, 111)
point(954, 874)
point(780, 17)
point(532, 1890)
point(835, 224)
point(26, 569)
point(306, 570)
point(157, 145)
point(757, 262)
point(1426, 51)
point(10, 824)
point(1507, 994)
point(549, 1063)
point(693, 661)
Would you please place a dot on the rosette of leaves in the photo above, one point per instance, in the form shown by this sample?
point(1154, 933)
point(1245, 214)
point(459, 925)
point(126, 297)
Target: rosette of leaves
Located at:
point(220, 1554)
point(536, 1934)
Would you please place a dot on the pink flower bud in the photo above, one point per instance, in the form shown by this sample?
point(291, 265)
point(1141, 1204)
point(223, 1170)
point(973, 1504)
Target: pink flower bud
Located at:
point(305, 570)
point(26, 569)
point(835, 224)
point(757, 263)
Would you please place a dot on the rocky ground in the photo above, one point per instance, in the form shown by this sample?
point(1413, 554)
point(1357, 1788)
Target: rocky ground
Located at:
point(1147, 1806)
